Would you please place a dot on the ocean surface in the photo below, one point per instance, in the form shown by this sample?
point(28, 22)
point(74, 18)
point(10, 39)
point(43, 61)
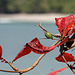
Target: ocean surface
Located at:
point(13, 37)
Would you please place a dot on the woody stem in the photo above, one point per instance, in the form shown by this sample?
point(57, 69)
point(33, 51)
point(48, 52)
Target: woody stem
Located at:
point(37, 61)
point(68, 64)
point(41, 27)
point(56, 35)
point(61, 51)
point(28, 69)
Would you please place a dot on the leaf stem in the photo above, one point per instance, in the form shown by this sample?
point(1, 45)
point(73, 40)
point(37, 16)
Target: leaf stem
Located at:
point(61, 51)
point(9, 71)
point(68, 64)
point(56, 35)
point(38, 60)
point(41, 27)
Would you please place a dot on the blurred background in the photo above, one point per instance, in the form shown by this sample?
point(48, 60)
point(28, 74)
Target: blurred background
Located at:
point(37, 6)
point(17, 27)
point(35, 10)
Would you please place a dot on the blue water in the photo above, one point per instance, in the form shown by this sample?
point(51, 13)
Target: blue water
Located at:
point(13, 37)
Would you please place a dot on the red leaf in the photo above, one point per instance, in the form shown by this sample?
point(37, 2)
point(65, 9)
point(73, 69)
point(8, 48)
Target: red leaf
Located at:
point(69, 26)
point(61, 22)
point(68, 57)
point(1, 58)
point(26, 50)
point(0, 51)
point(38, 48)
point(34, 46)
point(57, 71)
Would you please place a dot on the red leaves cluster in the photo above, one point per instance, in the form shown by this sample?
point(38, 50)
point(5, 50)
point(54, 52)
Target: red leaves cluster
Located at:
point(66, 27)
point(57, 71)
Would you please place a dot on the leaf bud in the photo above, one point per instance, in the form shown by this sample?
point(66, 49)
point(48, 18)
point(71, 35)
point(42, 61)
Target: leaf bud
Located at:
point(48, 35)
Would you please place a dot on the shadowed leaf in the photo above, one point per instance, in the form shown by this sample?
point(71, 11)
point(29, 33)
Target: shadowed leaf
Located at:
point(68, 57)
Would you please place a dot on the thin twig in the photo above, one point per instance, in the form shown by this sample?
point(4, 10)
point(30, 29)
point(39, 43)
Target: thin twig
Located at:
point(61, 51)
point(14, 68)
point(34, 65)
point(30, 68)
point(56, 41)
point(41, 26)
point(37, 61)
point(9, 71)
point(73, 45)
point(56, 35)
point(68, 64)
point(47, 38)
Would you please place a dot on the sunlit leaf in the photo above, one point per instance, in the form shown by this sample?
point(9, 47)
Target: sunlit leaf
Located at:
point(57, 71)
point(69, 26)
point(68, 57)
point(63, 22)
